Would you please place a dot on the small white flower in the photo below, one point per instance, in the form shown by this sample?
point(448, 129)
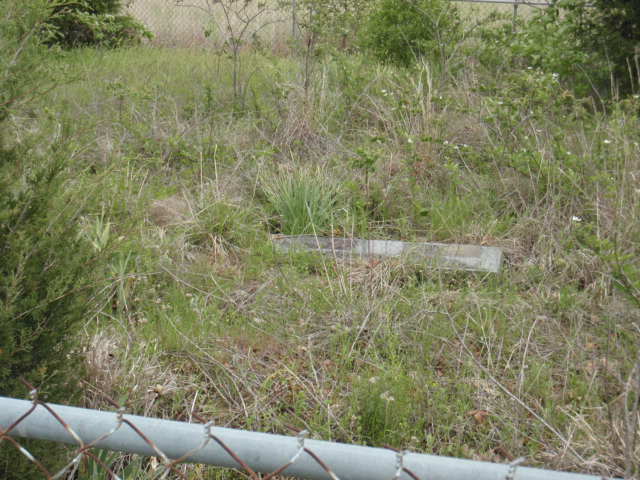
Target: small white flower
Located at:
point(606, 141)
point(410, 140)
point(373, 380)
point(555, 76)
point(576, 219)
point(387, 397)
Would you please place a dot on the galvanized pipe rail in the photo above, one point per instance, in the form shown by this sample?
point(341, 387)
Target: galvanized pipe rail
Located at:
point(534, 3)
point(309, 459)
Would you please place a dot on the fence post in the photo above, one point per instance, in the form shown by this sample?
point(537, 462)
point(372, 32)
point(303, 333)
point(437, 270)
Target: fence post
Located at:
point(515, 14)
point(294, 20)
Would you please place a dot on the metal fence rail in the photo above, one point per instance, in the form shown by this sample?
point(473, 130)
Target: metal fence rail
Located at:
point(176, 442)
point(534, 3)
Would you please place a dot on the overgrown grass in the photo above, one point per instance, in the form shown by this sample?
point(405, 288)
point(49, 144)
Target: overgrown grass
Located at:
point(535, 361)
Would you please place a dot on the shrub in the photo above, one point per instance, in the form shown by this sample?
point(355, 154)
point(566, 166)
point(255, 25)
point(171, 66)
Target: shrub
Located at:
point(545, 43)
point(43, 278)
point(585, 43)
point(400, 31)
point(333, 23)
point(611, 28)
point(95, 22)
point(41, 274)
point(24, 74)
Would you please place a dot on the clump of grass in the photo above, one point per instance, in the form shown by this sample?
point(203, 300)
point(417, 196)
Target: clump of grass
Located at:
point(303, 201)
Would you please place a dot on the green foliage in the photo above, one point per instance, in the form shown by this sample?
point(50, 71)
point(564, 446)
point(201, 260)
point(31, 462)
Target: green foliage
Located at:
point(43, 283)
point(386, 406)
point(95, 22)
point(41, 287)
point(400, 31)
point(232, 224)
point(333, 23)
point(24, 74)
point(43, 294)
point(303, 202)
point(611, 29)
point(585, 43)
point(545, 42)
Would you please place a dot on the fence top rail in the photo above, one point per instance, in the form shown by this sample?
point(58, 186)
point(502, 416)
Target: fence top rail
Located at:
point(251, 451)
point(509, 2)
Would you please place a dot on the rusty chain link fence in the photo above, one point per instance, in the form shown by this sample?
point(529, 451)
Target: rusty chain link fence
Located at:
point(170, 446)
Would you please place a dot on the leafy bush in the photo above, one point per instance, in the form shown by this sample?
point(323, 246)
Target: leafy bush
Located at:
point(95, 22)
point(610, 28)
point(545, 42)
point(400, 31)
point(333, 23)
point(584, 43)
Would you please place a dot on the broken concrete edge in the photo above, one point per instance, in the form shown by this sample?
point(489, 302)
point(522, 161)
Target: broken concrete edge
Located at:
point(435, 255)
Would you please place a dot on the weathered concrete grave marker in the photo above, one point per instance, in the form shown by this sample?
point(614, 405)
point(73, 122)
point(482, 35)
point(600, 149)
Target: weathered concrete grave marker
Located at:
point(437, 255)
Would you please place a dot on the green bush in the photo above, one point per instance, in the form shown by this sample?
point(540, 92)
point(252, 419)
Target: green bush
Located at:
point(333, 23)
point(24, 74)
point(43, 266)
point(587, 44)
point(545, 42)
point(400, 31)
point(42, 274)
point(95, 22)
point(610, 28)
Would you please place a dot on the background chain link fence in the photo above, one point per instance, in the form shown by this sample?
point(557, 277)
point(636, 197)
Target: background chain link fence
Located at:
point(202, 23)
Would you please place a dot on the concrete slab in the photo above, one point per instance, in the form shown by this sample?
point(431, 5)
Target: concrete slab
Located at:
point(436, 255)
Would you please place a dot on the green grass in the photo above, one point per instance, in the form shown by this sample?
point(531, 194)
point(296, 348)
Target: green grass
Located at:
point(372, 353)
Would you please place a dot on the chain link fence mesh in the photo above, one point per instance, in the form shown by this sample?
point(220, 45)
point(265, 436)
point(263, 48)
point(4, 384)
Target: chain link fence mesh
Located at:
point(204, 23)
point(210, 23)
point(85, 456)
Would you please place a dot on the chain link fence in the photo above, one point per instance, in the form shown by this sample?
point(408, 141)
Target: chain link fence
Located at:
point(171, 445)
point(208, 23)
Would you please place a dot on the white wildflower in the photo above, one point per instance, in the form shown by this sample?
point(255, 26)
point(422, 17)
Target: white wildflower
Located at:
point(387, 397)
